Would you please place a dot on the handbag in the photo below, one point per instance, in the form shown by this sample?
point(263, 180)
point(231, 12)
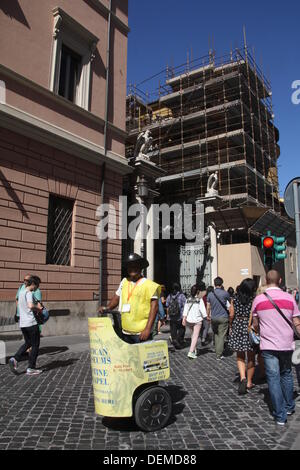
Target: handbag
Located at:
point(296, 334)
point(254, 338)
point(41, 315)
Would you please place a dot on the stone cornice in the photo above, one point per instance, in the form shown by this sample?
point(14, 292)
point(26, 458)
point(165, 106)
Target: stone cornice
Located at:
point(59, 100)
point(62, 18)
point(18, 121)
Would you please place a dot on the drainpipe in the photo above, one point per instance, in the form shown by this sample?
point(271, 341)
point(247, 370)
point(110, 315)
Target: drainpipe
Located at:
point(105, 143)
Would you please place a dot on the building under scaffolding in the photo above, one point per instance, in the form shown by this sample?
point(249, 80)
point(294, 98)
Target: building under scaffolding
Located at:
point(213, 115)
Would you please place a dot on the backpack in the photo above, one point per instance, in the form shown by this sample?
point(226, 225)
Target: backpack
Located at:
point(174, 309)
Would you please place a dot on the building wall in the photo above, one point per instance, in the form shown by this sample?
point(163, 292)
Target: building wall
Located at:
point(27, 39)
point(29, 172)
point(258, 268)
point(232, 259)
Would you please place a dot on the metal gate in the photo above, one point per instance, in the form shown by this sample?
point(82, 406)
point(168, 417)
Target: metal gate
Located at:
point(194, 266)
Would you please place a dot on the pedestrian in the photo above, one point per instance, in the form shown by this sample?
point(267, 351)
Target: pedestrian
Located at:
point(239, 318)
point(205, 323)
point(231, 292)
point(137, 299)
point(162, 308)
point(29, 327)
point(193, 314)
point(272, 311)
point(160, 318)
point(37, 294)
point(175, 304)
point(261, 367)
point(218, 303)
point(209, 290)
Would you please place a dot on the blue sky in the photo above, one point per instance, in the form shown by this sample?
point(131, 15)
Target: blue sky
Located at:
point(163, 31)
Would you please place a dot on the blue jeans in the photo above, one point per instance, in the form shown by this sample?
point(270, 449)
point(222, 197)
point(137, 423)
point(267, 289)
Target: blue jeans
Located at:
point(298, 374)
point(278, 366)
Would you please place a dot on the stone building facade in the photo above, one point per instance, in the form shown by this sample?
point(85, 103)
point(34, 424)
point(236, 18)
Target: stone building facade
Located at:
point(62, 131)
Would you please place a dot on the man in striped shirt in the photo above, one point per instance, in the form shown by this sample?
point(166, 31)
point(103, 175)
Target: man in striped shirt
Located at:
point(277, 343)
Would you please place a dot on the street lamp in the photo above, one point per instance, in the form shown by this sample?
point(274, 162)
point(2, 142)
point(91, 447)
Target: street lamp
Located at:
point(143, 189)
point(143, 192)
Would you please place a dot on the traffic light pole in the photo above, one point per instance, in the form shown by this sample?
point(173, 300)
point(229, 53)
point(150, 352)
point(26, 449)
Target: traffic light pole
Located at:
point(297, 221)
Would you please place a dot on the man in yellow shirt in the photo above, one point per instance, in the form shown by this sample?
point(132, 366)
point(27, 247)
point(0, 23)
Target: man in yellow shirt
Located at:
point(137, 299)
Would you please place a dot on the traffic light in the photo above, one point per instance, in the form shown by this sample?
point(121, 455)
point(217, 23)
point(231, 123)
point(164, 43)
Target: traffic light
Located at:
point(267, 244)
point(280, 248)
point(273, 248)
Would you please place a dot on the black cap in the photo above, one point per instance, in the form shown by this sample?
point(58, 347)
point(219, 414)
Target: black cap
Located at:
point(134, 258)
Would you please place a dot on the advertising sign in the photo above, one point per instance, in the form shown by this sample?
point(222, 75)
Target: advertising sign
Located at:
point(118, 368)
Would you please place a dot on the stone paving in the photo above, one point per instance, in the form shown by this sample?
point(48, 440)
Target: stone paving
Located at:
point(56, 410)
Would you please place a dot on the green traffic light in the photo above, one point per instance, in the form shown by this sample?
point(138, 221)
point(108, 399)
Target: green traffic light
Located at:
point(279, 240)
point(280, 256)
point(280, 247)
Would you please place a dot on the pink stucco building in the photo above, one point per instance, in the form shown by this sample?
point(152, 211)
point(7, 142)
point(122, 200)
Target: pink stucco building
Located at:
point(62, 117)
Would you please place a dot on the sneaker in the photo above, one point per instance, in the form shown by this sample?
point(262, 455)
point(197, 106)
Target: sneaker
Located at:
point(13, 365)
point(220, 358)
point(192, 355)
point(290, 413)
point(33, 371)
point(280, 423)
point(242, 390)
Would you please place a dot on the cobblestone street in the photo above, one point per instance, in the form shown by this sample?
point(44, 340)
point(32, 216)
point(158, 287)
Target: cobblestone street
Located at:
point(56, 410)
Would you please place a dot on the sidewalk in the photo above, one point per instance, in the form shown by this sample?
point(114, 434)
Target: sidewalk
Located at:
point(56, 410)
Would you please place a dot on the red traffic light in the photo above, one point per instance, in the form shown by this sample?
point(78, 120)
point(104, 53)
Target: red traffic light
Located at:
point(268, 242)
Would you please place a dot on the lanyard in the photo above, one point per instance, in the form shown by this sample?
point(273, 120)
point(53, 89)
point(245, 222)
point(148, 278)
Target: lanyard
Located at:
point(132, 290)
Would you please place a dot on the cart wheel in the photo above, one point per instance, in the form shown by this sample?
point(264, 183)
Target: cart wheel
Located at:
point(153, 409)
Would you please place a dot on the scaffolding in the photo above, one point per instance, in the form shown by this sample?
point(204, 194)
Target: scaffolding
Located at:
point(211, 114)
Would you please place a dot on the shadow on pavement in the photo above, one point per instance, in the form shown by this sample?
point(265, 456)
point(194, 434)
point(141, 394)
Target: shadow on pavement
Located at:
point(204, 350)
point(266, 397)
point(50, 351)
point(128, 424)
point(58, 364)
point(120, 424)
point(53, 350)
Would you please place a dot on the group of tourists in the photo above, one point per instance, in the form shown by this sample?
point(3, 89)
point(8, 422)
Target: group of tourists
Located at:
point(253, 323)
point(249, 322)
